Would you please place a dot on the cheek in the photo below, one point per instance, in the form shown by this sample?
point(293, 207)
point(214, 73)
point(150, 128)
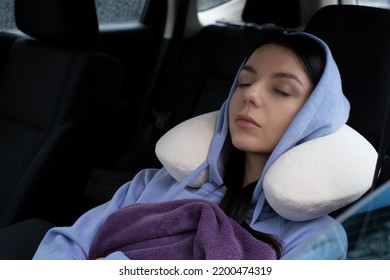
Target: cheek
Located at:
point(236, 99)
point(280, 123)
point(233, 106)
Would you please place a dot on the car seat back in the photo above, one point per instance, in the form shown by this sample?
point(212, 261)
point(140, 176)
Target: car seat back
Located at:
point(56, 98)
point(359, 42)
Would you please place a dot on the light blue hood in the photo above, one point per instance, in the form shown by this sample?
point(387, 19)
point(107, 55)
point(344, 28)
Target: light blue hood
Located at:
point(326, 110)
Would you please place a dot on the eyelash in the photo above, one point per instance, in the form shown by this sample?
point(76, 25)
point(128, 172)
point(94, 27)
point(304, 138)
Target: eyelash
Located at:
point(281, 92)
point(243, 85)
point(278, 91)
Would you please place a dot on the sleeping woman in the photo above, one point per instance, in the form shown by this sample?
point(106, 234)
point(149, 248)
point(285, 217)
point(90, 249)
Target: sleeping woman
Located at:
point(287, 92)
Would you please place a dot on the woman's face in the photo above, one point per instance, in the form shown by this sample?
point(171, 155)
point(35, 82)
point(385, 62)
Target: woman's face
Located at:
point(272, 88)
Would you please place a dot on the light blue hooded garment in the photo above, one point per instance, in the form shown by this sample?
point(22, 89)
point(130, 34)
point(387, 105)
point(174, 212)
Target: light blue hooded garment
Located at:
point(325, 111)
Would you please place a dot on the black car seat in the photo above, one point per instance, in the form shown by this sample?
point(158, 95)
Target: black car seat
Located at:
point(360, 44)
point(207, 64)
point(6, 41)
point(57, 95)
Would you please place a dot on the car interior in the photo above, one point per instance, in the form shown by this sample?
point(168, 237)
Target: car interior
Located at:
point(57, 99)
point(82, 106)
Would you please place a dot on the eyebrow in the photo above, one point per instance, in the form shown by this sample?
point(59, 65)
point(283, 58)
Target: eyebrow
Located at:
point(249, 69)
point(276, 75)
point(287, 76)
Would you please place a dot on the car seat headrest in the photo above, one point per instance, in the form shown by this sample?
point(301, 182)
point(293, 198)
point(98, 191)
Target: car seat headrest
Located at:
point(366, 95)
point(308, 181)
point(68, 22)
point(265, 12)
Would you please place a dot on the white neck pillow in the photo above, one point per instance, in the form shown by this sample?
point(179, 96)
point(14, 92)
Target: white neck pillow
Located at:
point(308, 181)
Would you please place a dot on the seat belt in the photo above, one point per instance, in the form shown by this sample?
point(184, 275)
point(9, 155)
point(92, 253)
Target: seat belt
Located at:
point(162, 78)
point(384, 146)
point(382, 150)
point(162, 113)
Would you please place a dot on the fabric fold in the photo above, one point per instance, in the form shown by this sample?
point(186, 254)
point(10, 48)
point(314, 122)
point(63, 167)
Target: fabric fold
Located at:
point(183, 229)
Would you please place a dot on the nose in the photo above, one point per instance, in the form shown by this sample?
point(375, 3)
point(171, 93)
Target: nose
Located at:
point(253, 95)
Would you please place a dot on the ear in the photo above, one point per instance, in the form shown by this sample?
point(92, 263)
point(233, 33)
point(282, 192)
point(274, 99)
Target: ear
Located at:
point(308, 181)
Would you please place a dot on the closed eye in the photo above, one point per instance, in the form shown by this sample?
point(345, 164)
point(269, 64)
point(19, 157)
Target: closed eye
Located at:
point(244, 84)
point(281, 92)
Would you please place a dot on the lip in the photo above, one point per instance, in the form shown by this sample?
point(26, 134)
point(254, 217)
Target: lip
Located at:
point(246, 121)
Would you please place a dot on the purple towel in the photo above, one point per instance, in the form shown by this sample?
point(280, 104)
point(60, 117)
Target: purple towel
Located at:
point(182, 229)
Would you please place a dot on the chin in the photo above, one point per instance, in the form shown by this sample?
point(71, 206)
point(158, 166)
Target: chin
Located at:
point(249, 146)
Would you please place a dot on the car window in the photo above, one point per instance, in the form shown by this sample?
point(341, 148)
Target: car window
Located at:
point(204, 5)
point(108, 12)
point(374, 3)
point(119, 11)
point(209, 12)
point(7, 21)
point(367, 228)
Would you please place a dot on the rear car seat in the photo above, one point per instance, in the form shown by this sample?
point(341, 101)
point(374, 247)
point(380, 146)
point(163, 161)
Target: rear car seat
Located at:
point(56, 100)
point(6, 41)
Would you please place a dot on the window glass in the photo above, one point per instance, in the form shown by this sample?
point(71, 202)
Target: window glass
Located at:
point(375, 3)
point(369, 235)
point(108, 12)
point(119, 11)
point(204, 5)
point(7, 21)
point(368, 228)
